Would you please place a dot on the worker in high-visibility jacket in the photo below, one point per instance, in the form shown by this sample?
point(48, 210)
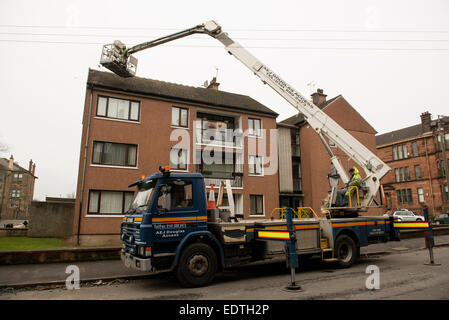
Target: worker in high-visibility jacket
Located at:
point(343, 194)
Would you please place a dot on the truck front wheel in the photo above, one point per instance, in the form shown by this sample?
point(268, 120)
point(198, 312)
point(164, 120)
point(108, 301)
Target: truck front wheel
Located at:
point(197, 265)
point(346, 251)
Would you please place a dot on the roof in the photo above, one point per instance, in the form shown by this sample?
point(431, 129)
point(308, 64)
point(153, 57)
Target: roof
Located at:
point(169, 90)
point(401, 134)
point(296, 119)
point(408, 132)
point(4, 164)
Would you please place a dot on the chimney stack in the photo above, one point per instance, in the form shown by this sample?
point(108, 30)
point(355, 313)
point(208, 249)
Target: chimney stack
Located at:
point(213, 84)
point(11, 163)
point(319, 97)
point(425, 121)
point(34, 169)
point(30, 165)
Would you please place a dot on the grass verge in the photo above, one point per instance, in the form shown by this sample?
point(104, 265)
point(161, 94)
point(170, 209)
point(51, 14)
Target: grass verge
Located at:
point(25, 243)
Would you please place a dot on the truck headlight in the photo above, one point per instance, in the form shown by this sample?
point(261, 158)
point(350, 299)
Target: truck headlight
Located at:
point(142, 251)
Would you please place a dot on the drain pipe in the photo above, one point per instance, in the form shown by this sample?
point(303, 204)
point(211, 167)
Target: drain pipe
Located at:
point(84, 165)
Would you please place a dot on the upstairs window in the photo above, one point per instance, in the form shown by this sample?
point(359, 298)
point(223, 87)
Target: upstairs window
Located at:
point(15, 194)
point(17, 178)
point(407, 174)
point(255, 165)
point(418, 172)
point(254, 127)
point(180, 117)
point(395, 153)
point(420, 195)
point(396, 174)
point(415, 148)
point(404, 148)
point(121, 109)
point(114, 154)
point(178, 159)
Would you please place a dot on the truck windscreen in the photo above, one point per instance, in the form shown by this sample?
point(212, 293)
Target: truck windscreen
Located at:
point(142, 197)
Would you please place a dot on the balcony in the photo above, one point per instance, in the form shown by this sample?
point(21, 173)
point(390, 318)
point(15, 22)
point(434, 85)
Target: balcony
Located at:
point(236, 182)
point(218, 130)
point(216, 176)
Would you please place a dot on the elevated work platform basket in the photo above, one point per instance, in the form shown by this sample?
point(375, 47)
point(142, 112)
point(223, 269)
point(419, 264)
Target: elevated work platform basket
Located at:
point(114, 59)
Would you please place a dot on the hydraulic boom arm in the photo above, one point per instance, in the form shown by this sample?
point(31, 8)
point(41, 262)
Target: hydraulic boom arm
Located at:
point(374, 168)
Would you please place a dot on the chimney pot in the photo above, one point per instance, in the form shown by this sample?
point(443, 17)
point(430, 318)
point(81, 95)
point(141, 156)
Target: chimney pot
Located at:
point(213, 84)
point(425, 121)
point(11, 163)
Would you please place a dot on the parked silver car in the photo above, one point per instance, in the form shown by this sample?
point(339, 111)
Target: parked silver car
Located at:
point(405, 215)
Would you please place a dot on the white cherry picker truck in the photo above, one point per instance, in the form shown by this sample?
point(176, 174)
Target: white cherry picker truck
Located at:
point(168, 225)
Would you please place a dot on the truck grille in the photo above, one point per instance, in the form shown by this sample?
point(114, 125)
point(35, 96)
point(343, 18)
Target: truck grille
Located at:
point(130, 236)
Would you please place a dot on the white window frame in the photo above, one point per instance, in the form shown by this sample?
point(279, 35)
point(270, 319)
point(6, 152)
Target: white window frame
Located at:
point(261, 166)
point(99, 214)
point(93, 164)
point(179, 112)
point(106, 117)
point(187, 160)
point(420, 195)
point(263, 205)
point(260, 129)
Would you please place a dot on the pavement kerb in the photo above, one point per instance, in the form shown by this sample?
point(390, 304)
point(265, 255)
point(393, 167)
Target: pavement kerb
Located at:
point(62, 282)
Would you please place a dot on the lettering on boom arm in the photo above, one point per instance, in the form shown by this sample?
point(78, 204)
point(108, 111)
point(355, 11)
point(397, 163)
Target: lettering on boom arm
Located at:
point(286, 87)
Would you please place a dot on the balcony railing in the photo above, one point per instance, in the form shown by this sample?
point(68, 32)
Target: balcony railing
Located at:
point(227, 138)
point(236, 182)
point(215, 178)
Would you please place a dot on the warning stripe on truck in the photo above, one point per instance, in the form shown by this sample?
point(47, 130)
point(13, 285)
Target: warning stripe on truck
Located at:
point(411, 225)
point(273, 235)
point(180, 220)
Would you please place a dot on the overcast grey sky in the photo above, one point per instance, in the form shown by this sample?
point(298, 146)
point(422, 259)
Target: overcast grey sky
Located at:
point(389, 59)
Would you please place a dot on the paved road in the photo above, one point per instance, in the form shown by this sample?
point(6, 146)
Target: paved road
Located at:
point(56, 272)
point(403, 275)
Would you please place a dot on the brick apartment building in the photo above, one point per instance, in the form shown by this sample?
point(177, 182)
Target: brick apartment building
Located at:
point(303, 161)
point(16, 189)
point(132, 126)
point(418, 165)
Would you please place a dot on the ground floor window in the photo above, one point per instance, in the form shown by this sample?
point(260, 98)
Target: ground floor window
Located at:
point(256, 207)
point(420, 195)
point(109, 202)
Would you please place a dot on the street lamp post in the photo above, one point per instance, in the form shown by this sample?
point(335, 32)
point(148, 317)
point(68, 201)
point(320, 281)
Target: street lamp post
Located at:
point(442, 144)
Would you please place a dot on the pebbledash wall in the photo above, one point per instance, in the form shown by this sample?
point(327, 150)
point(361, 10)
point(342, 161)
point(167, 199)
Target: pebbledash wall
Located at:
point(145, 138)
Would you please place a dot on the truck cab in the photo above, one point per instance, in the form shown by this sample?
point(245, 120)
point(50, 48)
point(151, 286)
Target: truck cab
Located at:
point(167, 214)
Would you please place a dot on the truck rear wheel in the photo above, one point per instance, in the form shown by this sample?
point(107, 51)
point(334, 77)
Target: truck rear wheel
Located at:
point(197, 265)
point(345, 251)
